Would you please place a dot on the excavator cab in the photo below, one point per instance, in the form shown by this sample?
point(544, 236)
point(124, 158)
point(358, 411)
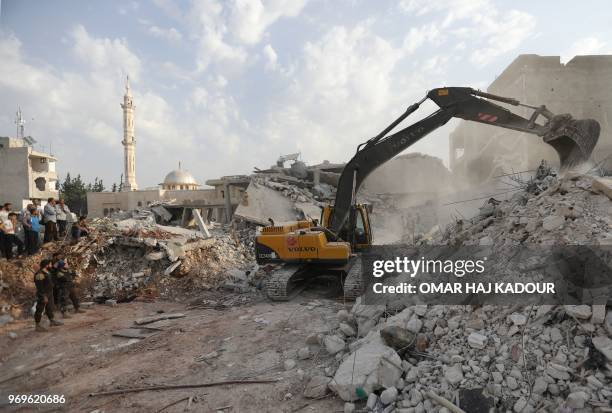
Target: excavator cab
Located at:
point(357, 229)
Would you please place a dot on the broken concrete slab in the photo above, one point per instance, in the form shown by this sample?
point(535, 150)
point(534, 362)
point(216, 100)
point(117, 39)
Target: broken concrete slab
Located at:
point(172, 267)
point(157, 317)
point(602, 185)
point(261, 203)
point(162, 213)
point(371, 367)
point(201, 223)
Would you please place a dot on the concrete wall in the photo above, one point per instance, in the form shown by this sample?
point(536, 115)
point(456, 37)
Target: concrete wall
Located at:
point(582, 87)
point(100, 204)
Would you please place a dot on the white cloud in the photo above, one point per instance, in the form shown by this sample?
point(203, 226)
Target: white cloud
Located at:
point(491, 32)
point(105, 55)
point(416, 37)
point(249, 19)
point(170, 34)
point(584, 46)
point(271, 57)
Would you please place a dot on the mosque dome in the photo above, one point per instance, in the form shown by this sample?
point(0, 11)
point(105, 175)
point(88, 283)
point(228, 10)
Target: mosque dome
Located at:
point(179, 179)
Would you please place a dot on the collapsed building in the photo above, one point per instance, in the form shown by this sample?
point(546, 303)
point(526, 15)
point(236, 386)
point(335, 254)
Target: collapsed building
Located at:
point(581, 87)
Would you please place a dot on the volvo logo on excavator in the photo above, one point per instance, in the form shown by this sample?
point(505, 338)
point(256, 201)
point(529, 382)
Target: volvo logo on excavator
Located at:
point(302, 249)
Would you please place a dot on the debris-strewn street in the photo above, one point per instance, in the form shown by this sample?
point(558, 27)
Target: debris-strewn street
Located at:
point(172, 306)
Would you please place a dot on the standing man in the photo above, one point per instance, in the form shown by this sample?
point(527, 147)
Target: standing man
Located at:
point(50, 217)
point(62, 211)
point(31, 226)
point(63, 279)
point(10, 239)
point(4, 212)
point(44, 296)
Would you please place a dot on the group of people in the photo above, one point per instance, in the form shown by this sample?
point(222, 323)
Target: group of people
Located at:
point(54, 217)
point(55, 285)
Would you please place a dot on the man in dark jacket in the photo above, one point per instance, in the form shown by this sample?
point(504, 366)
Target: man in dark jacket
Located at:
point(64, 287)
point(44, 296)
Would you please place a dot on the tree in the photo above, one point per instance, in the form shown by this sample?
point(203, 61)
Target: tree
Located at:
point(74, 192)
point(114, 188)
point(121, 183)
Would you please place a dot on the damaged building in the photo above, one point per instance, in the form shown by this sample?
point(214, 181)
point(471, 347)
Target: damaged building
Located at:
point(580, 87)
point(25, 173)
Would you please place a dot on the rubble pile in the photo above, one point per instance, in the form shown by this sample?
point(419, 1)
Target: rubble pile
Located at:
point(513, 359)
point(569, 211)
point(387, 357)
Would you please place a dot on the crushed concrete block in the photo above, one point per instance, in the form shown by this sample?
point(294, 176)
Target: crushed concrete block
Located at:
point(602, 185)
point(289, 364)
point(304, 353)
point(604, 345)
point(608, 323)
point(347, 330)
point(155, 256)
point(454, 374)
point(201, 223)
point(598, 314)
point(333, 344)
point(171, 268)
point(553, 222)
point(576, 400)
point(371, 367)
point(372, 401)
point(367, 317)
point(517, 319)
point(388, 396)
point(317, 387)
point(477, 340)
point(162, 212)
point(349, 407)
point(581, 312)
point(110, 303)
point(5, 319)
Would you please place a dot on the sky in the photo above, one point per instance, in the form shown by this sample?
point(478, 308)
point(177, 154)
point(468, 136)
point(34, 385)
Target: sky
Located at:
point(224, 86)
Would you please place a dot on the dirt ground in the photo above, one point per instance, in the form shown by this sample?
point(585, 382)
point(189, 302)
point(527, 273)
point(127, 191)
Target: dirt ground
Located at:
point(252, 341)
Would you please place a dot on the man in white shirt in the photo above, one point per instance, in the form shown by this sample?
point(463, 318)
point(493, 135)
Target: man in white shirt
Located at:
point(62, 214)
point(4, 212)
point(10, 239)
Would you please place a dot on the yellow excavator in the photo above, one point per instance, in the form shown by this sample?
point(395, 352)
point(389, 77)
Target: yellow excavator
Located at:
point(333, 245)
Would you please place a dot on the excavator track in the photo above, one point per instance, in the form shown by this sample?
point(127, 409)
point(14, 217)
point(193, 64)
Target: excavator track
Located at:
point(281, 284)
point(353, 282)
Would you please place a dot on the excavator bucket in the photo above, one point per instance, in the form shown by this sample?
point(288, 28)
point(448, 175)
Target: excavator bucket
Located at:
point(574, 140)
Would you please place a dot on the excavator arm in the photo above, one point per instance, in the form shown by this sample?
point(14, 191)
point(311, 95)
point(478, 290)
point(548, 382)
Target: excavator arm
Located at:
point(574, 140)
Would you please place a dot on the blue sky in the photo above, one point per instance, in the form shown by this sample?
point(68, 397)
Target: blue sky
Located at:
point(224, 86)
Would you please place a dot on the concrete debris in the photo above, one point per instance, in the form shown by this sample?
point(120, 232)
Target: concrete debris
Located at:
point(317, 387)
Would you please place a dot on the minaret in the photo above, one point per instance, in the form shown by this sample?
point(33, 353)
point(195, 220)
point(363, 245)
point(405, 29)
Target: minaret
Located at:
point(129, 142)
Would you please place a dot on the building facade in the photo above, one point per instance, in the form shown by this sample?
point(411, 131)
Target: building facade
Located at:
point(25, 174)
point(581, 87)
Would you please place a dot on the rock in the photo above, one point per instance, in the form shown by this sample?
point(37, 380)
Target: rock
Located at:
point(111, 303)
point(317, 387)
point(553, 222)
point(454, 374)
point(371, 367)
point(540, 385)
point(486, 241)
point(608, 323)
point(367, 317)
point(415, 324)
point(557, 372)
point(497, 377)
point(517, 319)
point(333, 344)
point(343, 316)
point(477, 340)
point(576, 400)
point(422, 342)
point(155, 256)
point(372, 401)
point(397, 337)
point(475, 324)
point(5, 319)
point(512, 383)
point(289, 364)
point(604, 345)
point(388, 396)
point(555, 335)
point(599, 314)
point(314, 339)
point(304, 353)
point(347, 330)
point(349, 407)
point(12, 335)
point(520, 405)
point(581, 312)
point(602, 185)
